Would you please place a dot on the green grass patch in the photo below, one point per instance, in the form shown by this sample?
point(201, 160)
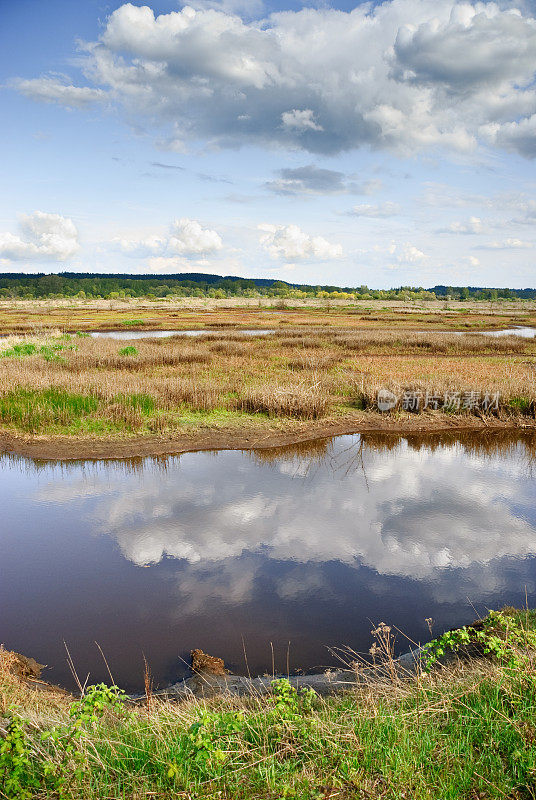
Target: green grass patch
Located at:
point(140, 402)
point(130, 350)
point(464, 733)
point(20, 350)
point(522, 405)
point(59, 411)
point(49, 351)
point(33, 410)
point(132, 322)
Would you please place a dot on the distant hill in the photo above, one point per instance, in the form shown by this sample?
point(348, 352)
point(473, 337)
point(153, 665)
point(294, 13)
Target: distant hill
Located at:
point(72, 284)
point(525, 294)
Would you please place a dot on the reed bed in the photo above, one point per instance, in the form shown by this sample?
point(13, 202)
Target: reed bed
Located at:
point(302, 401)
point(314, 359)
point(138, 356)
point(287, 375)
point(408, 342)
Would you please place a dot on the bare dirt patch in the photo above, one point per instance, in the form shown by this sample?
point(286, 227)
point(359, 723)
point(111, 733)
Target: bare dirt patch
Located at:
point(67, 448)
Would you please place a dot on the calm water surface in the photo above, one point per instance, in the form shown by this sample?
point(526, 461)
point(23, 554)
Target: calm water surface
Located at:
point(305, 545)
point(526, 333)
point(127, 335)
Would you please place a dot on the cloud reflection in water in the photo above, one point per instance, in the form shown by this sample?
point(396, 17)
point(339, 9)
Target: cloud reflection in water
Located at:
point(404, 512)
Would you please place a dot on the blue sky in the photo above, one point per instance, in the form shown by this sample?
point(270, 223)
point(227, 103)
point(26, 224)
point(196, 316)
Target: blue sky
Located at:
point(381, 144)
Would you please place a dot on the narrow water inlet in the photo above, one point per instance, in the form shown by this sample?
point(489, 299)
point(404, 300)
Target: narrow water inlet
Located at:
point(128, 335)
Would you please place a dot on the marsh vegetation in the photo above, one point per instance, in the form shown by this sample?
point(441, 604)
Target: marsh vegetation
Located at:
point(77, 385)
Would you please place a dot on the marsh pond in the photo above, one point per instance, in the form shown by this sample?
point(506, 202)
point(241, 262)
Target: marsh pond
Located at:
point(300, 549)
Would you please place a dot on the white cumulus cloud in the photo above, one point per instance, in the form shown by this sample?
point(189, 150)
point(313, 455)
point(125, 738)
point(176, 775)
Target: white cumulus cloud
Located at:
point(186, 237)
point(403, 74)
point(44, 237)
point(51, 89)
point(519, 136)
point(289, 243)
point(300, 120)
point(471, 226)
point(511, 244)
point(382, 210)
point(408, 253)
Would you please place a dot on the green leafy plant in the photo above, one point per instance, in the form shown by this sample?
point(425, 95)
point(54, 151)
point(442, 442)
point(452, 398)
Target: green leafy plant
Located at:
point(288, 702)
point(95, 701)
point(209, 741)
point(128, 351)
point(16, 779)
point(499, 634)
point(69, 761)
point(20, 350)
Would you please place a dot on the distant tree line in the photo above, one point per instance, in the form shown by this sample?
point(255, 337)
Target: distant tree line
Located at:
point(95, 286)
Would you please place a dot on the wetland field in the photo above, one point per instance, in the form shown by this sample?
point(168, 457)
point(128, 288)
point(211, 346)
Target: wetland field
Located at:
point(314, 531)
point(224, 376)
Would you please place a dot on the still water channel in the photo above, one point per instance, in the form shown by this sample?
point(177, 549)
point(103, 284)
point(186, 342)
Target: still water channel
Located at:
point(128, 335)
point(307, 545)
point(525, 333)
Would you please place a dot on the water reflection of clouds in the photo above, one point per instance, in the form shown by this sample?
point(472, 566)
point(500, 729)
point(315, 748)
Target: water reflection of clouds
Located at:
point(418, 512)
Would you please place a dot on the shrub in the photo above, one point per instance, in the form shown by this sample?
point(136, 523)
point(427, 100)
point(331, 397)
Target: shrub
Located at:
point(128, 351)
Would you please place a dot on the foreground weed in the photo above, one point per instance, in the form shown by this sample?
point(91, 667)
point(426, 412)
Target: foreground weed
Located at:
point(457, 734)
point(16, 778)
point(25, 766)
point(288, 702)
point(500, 634)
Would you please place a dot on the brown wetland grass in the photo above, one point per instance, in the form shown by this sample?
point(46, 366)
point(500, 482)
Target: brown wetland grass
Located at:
point(79, 385)
point(72, 314)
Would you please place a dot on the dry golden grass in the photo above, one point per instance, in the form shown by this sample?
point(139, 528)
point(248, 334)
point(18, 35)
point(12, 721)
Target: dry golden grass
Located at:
point(39, 700)
point(105, 354)
point(23, 316)
point(301, 401)
point(439, 343)
point(314, 359)
point(302, 374)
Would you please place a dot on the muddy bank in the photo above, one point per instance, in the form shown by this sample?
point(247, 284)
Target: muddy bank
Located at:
point(204, 684)
point(27, 671)
point(210, 678)
point(67, 448)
